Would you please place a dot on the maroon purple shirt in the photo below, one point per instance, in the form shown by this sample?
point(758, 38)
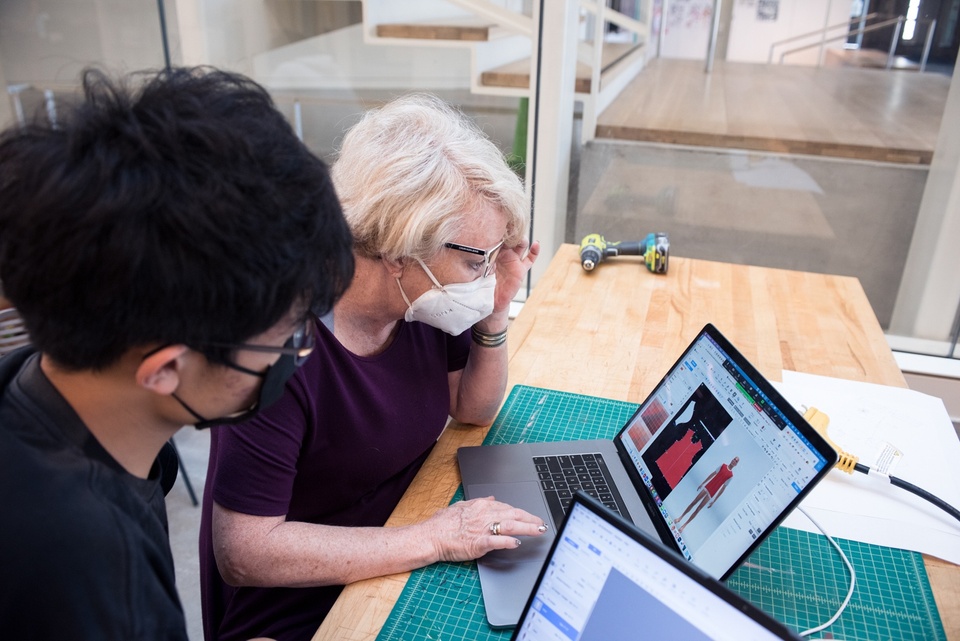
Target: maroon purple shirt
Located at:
point(339, 448)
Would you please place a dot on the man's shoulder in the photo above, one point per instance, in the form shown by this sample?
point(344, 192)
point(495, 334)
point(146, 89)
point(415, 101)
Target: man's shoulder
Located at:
point(74, 535)
point(49, 492)
point(55, 490)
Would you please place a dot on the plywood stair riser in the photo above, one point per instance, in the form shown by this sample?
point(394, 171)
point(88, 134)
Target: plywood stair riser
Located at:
point(465, 33)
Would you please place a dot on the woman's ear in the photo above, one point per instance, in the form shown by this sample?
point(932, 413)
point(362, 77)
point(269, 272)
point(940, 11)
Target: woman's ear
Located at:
point(159, 371)
point(394, 266)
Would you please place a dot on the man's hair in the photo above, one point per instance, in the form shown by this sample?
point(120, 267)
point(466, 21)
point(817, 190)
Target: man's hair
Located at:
point(409, 172)
point(180, 209)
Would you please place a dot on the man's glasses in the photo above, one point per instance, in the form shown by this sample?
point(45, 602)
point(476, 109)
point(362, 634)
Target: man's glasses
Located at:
point(489, 255)
point(300, 345)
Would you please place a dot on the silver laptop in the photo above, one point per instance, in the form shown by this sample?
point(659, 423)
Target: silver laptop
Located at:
point(710, 463)
point(605, 580)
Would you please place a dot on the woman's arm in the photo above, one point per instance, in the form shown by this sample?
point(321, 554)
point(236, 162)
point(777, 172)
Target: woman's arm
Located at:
point(273, 552)
point(477, 390)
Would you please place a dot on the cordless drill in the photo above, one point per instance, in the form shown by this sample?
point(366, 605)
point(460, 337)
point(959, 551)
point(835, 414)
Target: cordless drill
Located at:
point(655, 249)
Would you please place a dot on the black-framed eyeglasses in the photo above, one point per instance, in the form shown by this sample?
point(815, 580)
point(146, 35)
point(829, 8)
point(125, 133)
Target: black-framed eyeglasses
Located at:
point(300, 345)
point(489, 255)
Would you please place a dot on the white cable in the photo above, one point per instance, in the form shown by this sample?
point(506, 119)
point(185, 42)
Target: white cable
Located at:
point(853, 578)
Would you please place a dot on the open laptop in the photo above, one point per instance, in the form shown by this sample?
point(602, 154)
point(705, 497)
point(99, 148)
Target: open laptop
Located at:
point(606, 580)
point(710, 463)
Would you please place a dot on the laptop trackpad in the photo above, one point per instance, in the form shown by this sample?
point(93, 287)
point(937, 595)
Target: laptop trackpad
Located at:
point(506, 590)
point(507, 576)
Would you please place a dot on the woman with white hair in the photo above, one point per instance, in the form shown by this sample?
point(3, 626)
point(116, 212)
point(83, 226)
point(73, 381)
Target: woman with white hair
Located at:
point(298, 498)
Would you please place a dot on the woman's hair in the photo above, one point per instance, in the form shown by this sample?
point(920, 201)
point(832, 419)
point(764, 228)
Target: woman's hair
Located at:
point(178, 209)
point(410, 171)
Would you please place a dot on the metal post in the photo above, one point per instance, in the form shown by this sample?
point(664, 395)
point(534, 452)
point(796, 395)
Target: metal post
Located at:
point(51, 107)
point(823, 34)
point(298, 119)
point(863, 22)
point(550, 134)
point(927, 45)
point(712, 45)
point(163, 34)
point(14, 92)
point(663, 26)
point(893, 42)
point(955, 335)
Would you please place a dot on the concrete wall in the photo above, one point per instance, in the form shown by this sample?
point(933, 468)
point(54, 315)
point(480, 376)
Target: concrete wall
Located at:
point(6, 107)
point(341, 60)
point(46, 43)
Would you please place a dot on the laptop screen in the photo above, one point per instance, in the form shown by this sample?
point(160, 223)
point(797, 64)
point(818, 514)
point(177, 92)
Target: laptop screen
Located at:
point(606, 580)
point(718, 451)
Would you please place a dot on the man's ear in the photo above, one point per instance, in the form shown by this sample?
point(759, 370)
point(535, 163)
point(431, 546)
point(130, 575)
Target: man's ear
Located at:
point(160, 370)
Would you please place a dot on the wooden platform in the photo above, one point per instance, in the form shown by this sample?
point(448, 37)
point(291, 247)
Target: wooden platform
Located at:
point(517, 74)
point(830, 111)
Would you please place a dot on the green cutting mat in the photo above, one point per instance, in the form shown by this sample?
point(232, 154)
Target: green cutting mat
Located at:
point(795, 576)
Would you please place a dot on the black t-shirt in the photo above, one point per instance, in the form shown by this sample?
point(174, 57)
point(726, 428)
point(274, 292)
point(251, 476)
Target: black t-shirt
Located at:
point(84, 548)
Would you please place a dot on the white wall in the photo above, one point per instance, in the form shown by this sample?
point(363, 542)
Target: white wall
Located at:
point(753, 28)
point(686, 29)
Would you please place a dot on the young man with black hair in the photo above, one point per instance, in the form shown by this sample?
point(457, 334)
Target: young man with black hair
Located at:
point(167, 244)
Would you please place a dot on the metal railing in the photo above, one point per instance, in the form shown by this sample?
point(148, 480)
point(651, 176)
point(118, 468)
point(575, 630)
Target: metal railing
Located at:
point(897, 30)
point(15, 91)
point(818, 32)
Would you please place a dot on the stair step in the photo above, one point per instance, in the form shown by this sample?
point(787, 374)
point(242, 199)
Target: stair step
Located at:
point(466, 30)
point(517, 74)
point(868, 58)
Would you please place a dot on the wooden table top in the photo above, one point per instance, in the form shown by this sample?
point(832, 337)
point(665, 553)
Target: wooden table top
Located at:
point(613, 332)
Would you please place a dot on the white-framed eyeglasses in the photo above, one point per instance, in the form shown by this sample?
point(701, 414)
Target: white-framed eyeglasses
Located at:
point(489, 255)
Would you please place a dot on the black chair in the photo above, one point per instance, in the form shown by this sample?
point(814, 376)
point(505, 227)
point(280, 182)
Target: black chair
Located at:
point(13, 334)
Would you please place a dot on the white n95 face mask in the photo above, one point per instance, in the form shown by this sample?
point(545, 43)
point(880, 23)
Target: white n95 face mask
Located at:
point(452, 308)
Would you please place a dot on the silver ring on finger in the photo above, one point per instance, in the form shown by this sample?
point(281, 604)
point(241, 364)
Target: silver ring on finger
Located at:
point(495, 528)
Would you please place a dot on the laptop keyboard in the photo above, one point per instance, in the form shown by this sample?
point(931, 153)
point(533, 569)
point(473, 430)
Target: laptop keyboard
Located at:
point(561, 476)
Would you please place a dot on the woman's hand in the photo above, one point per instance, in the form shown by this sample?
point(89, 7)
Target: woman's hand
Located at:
point(512, 268)
point(466, 530)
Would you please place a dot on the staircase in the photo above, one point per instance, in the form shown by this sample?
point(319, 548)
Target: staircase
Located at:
point(501, 36)
point(524, 49)
point(515, 50)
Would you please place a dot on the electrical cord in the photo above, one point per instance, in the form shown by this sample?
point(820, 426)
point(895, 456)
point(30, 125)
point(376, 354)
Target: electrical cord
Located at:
point(849, 463)
point(910, 487)
point(853, 579)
